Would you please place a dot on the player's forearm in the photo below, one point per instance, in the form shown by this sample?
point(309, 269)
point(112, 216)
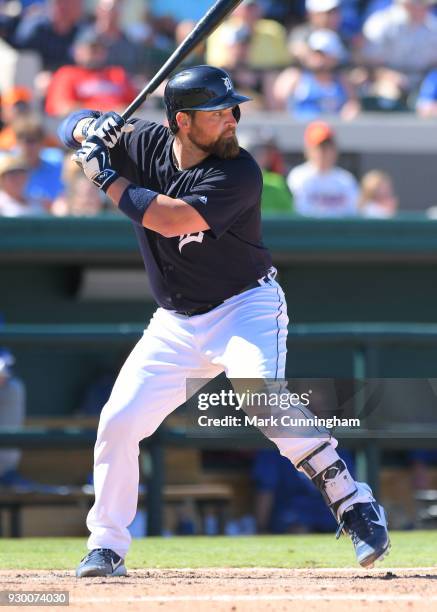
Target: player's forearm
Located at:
point(137, 208)
point(117, 189)
point(173, 217)
point(168, 216)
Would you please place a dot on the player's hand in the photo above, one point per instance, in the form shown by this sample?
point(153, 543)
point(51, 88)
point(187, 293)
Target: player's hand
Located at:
point(108, 127)
point(94, 159)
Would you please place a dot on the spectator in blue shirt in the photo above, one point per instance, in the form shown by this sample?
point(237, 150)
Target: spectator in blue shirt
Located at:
point(45, 164)
point(426, 103)
point(320, 87)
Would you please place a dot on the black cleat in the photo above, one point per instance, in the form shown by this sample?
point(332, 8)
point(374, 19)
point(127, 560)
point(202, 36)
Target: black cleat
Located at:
point(101, 562)
point(367, 526)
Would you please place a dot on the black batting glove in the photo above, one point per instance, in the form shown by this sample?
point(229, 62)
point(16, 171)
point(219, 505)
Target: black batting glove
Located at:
point(93, 157)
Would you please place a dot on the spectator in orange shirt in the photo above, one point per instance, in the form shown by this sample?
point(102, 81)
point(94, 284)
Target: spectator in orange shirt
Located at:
point(14, 103)
point(90, 83)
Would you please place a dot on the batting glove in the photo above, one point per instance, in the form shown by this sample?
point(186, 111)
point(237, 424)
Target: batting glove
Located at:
point(93, 157)
point(108, 127)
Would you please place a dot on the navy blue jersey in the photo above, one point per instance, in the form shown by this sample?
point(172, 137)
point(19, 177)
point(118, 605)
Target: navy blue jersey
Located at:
point(194, 270)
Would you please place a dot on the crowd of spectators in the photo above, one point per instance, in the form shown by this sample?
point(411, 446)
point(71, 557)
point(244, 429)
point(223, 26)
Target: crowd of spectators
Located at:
point(311, 59)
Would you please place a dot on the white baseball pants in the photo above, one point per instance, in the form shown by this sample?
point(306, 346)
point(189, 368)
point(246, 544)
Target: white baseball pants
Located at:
point(245, 337)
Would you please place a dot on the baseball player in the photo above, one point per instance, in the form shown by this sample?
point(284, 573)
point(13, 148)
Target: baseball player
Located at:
point(193, 196)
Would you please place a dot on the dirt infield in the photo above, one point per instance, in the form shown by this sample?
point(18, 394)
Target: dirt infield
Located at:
point(240, 590)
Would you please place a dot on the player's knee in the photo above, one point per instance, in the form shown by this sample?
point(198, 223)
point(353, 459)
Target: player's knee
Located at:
point(115, 425)
point(127, 423)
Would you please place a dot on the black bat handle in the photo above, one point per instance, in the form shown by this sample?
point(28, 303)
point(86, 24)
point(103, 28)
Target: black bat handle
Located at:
point(205, 26)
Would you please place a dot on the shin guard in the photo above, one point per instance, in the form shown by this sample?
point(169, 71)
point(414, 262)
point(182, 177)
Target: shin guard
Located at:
point(330, 475)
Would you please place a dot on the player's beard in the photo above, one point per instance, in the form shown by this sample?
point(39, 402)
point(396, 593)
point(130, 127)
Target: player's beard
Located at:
point(224, 147)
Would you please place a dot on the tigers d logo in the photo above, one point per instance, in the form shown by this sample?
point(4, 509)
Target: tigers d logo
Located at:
point(228, 83)
point(187, 238)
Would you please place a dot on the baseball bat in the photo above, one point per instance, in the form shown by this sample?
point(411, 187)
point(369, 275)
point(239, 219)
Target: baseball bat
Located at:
point(215, 15)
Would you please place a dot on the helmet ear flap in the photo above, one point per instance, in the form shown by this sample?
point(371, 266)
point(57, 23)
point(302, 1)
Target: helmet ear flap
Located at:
point(237, 113)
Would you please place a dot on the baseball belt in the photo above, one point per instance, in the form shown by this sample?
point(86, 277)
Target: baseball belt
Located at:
point(264, 280)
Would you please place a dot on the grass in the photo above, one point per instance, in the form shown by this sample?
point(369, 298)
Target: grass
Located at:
point(409, 549)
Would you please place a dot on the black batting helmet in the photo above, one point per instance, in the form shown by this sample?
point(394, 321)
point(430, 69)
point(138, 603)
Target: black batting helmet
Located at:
point(203, 88)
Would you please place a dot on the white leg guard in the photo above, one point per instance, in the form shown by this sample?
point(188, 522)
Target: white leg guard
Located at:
point(331, 476)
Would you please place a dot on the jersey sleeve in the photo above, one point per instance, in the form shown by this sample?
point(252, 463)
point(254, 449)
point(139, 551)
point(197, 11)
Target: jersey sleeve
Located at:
point(225, 193)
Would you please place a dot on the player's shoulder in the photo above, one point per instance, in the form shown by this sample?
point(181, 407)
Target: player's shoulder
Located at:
point(243, 167)
point(246, 160)
point(239, 175)
point(149, 128)
point(145, 135)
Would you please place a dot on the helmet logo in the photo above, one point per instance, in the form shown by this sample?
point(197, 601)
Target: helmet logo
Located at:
point(228, 83)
